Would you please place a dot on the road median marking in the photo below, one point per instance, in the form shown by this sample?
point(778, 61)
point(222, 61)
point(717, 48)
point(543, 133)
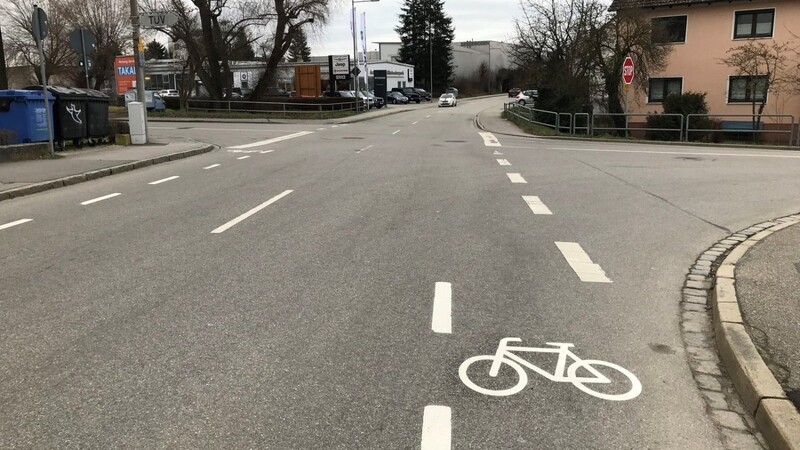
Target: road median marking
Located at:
point(489, 139)
point(580, 262)
point(436, 428)
point(100, 199)
point(15, 223)
point(441, 320)
point(164, 180)
point(244, 216)
point(536, 205)
point(273, 140)
point(516, 178)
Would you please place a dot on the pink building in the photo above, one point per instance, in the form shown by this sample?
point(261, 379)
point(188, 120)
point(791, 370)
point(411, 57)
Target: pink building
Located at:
point(700, 33)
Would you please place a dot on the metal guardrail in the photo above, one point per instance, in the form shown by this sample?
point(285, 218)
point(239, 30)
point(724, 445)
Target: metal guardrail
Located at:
point(587, 128)
point(284, 108)
point(627, 129)
point(753, 118)
point(529, 114)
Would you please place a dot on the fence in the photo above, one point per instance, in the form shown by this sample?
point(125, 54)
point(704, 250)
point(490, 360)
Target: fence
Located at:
point(682, 127)
point(284, 108)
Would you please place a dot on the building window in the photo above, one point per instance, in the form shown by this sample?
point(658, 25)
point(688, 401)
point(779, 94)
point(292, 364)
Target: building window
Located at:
point(747, 89)
point(754, 24)
point(662, 87)
point(667, 30)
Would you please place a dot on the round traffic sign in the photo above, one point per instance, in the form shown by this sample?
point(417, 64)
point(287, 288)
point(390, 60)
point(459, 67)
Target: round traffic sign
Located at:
point(627, 70)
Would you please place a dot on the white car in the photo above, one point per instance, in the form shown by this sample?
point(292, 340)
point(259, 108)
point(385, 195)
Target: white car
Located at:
point(447, 100)
point(525, 97)
point(169, 93)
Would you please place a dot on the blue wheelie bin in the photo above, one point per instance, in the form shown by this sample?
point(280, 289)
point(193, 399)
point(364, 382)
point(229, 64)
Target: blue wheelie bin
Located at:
point(23, 114)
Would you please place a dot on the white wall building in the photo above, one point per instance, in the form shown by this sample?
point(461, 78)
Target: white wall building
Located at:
point(467, 55)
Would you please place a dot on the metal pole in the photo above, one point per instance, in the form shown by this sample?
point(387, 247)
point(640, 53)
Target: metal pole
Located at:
point(355, 55)
point(137, 61)
point(46, 99)
point(85, 59)
point(430, 51)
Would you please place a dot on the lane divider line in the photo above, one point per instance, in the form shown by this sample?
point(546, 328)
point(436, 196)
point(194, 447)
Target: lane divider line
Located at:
point(516, 178)
point(536, 205)
point(503, 162)
point(496, 153)
point(165, 180)
point(428, 116)
point(396, 132)
point(273, 140)
point(436, 428)
point(243, 157)
point(365, 148)
point(211, 166)
point(15, 223)
point(414, 123)
point(266, 151)
point(441, 320)
point(489, 139)
point(100, 199)
point(580, 262)
point(251, 212)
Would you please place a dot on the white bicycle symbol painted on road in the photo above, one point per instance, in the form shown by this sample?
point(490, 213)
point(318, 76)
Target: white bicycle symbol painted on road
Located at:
point(505, 355)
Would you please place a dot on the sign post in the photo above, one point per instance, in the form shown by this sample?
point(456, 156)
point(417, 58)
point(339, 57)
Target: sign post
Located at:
point(39, 33)
point(137, 60)
point(84, 43)
point(628, 73)
point(158, 19)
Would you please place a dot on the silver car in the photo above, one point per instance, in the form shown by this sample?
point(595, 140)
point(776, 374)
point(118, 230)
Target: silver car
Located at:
point(447, 100)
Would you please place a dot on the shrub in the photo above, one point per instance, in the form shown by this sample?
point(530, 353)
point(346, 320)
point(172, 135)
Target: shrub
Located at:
point(683, 104)
point(663, 124)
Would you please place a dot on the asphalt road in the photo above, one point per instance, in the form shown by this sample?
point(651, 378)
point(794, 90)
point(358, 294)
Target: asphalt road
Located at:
point(289, 299)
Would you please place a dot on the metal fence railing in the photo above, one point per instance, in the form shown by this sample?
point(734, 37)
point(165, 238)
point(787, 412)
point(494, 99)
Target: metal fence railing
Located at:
point(283, 108)
point(533, 115)
point(752, 124)
point(606, 122)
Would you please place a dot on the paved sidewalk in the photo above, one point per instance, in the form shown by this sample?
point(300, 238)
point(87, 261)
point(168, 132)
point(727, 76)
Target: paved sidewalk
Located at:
point(28, 177)
point(768, 289)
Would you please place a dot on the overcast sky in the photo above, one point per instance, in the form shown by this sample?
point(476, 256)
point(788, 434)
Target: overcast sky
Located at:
point(472, 19)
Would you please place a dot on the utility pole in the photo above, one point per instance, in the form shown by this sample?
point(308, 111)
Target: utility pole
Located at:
point(138, 63)
point(3, 73)
point(430, 50)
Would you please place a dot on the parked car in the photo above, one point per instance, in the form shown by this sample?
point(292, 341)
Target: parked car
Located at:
point(448, 99)
point(395, 97)
point(413, 95)
point(514, 91)
point(169, 93)
point(423, 94)
point(378, 101)
point(526, 97)
point(452, 90)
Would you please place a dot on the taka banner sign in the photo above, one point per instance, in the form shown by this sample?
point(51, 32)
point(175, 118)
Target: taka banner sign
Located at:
point(125, 73)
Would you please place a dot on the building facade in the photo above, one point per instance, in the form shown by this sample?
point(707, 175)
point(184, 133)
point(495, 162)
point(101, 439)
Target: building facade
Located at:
point(467, 56)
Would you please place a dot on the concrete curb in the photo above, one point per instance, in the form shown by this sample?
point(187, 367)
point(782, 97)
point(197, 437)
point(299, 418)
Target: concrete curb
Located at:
point(100, 173)
point(762, 396)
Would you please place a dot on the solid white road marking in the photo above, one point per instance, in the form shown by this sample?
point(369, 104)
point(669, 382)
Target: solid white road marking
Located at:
point(15, 223)
point(414, 123)
point(654, 152)
point(496, 153)
point(489, 140)
point(273, 140)
point(100, 199)
point(320, 129)
point(428, 116)
point(436, 428)
point(441, 321)
point(503, 162)
point(266, 151)
point(211, 166)
point(580, 262)
point(396, 132)
point(536, 205)
point(516, 178)
point(365, 148)
point(165, 180)
point(243, 157)
point(251, 212)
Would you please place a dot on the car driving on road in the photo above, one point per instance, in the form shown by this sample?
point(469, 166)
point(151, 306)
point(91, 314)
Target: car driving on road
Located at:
point(447, 100)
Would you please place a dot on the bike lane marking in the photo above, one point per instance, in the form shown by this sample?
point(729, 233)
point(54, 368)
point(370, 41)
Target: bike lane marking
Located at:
point(441, 320)
point(503, 162)
point(516, 178)
point(580, 262)
point(489, 140)
point(436, 428)
point(15, 223)
point(251, 212)
point(536, 205)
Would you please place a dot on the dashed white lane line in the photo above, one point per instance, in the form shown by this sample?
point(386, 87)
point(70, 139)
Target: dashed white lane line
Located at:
point(243, 157)
point(503, 162)
point(100, 199)
point(489, 140)
point(580, 262)
point(441, 321)
point(536, 205)
point(251, 212)
point(365, 148)
point(414, 123)
point(428, 116)
point(320, 129)
point(436, 428)
point(211, 166)
point(516, 178)
point(15, 223)
point(164, 180)
point(273, 140)
point(396, 132)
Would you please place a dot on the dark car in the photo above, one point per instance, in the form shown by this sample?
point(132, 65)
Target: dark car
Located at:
point(395, 97)
point(423, 94)
point(514, 91)
point(413, 95)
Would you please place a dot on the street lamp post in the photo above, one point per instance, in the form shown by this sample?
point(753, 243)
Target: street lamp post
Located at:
point(355, 47)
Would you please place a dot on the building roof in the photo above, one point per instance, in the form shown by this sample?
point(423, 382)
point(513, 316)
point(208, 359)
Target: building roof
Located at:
point(630, 4)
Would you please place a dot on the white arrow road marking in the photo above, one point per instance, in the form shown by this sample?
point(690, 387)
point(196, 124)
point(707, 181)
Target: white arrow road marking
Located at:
point(100, 199)
point(273, 140)
point(503, 162)
point(536, 205)
point(15, 223)
point(165, 180)
point(251, 212)
point(442, 314)
point(516, 178)
point(580, 262)
point(211, 166)
point(436, 428)
point(489, 140)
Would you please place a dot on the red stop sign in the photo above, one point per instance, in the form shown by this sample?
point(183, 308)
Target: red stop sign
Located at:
point(627, 70)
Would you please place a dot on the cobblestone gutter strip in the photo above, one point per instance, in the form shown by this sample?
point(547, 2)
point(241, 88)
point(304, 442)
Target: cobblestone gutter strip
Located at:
point(710, 313)
point(95, 174)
